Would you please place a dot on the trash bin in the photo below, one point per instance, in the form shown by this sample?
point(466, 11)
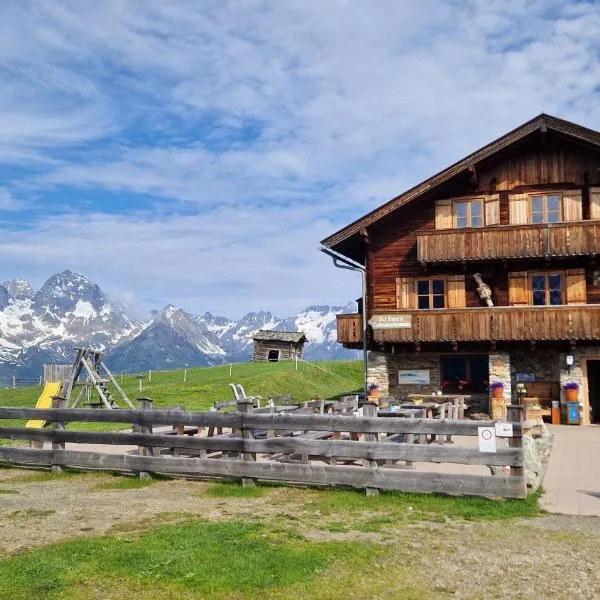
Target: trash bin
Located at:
point(572, 413)
point(555, 412)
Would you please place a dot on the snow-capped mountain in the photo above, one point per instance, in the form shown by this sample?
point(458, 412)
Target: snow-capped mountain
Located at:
point(70, 311)
point(66, 312)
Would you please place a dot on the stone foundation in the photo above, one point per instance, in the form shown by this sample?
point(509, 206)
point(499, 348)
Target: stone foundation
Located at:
point(499, 371)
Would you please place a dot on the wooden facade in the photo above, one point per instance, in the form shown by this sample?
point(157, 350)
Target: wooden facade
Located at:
point(499, 247)
point(275, 346)
point(527, 323)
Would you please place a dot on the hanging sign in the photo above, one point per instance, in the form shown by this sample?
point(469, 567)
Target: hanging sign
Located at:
point(487, 439)
point(391, 321)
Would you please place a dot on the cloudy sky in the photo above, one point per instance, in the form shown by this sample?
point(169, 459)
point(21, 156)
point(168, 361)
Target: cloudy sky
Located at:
point(196, 151)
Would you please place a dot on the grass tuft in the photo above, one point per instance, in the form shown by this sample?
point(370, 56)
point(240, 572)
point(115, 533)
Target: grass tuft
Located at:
point(234, 490)
point(125, 482)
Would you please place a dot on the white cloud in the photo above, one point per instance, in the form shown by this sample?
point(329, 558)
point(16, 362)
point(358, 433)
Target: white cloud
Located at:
point(255, 128)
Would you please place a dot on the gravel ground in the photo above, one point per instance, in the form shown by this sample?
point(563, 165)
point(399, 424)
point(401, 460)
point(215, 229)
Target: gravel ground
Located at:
point(551, 556)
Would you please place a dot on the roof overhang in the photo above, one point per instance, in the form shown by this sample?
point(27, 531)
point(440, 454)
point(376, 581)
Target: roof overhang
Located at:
point(345, 240)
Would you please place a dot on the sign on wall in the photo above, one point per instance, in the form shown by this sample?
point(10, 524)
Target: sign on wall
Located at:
point(525, 377)
point(419, 377)
point(391, 321)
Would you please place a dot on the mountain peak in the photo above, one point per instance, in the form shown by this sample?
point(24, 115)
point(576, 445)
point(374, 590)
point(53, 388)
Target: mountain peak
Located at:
point(19, 289)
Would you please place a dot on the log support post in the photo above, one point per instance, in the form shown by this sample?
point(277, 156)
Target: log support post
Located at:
point(515, 415)
point(145, 404)
point(370, 410)
point(58, 402)
point(246, 406)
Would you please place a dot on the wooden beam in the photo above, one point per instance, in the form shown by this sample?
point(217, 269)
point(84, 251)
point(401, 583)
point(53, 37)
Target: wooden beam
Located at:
point(361, 477)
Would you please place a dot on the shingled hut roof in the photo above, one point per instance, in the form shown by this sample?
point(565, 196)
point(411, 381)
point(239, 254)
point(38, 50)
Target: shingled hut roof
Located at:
point(279, 336)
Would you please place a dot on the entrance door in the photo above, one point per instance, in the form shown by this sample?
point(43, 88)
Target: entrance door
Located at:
point(593, 376)
point(273, 355)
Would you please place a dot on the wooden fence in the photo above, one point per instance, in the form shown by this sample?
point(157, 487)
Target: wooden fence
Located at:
point(310, 449)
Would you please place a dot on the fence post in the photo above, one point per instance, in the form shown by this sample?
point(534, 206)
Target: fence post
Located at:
point(145, 404)
point(370, 410)
point(246, 406)
point(184, 375)
point(515, 415)
point(58, 402)
point(149, 376)
point(14, 382)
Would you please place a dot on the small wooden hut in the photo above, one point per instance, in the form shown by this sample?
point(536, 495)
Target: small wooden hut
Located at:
point(273, 346)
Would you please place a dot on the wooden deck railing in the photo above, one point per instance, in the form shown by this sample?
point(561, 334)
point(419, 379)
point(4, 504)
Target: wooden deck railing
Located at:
point(509, 241)
point(259, 446)
point(568, 322)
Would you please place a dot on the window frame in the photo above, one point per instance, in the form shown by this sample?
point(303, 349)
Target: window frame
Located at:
point(544, 196)
point(547, 274)
point(469, 202)
point(431, 295)
point(468, 370)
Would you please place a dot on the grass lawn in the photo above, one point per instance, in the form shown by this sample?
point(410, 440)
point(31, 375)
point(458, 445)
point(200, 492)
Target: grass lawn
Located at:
point(206, 385)
point(265, 542)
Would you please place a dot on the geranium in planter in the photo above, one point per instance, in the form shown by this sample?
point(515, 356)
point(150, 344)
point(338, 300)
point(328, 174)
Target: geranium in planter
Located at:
point(373, 389)
point(571, 391)
point(497, 389)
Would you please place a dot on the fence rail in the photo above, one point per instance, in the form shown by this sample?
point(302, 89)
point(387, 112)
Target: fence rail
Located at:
point(263, 446)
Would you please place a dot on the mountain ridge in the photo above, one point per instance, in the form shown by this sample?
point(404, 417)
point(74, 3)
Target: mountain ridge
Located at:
point(69, 310)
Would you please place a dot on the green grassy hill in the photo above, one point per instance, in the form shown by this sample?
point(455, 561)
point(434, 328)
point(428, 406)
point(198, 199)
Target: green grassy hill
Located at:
point(205, 385)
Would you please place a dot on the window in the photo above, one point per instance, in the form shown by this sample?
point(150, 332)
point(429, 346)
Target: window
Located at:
point(468, 213)
point(273, 356)
point(547, 288)
point(545, 209)
point(431, 293)
point(464, 374)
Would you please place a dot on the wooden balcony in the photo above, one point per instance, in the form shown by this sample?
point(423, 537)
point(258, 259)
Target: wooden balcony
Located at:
point(575, 238)
point(501, 323)
point(349, 329)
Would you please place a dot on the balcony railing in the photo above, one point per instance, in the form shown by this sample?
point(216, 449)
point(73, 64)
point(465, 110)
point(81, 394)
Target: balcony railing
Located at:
point(575, 238)
point(501, 323)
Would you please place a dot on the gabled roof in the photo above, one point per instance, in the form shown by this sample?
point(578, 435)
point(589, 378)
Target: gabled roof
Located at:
point(542, 121)
point(279, 336)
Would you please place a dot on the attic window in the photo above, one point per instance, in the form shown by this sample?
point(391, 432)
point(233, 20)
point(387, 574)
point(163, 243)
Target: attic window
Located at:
point(545, 209)
point(468, 213)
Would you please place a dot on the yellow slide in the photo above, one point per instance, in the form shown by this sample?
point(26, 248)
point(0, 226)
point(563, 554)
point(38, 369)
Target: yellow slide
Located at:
point(45, 401)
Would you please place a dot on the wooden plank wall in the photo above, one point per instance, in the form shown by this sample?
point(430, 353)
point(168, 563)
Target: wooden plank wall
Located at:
point(215, 459)
point(541, 161)
point(287, 350)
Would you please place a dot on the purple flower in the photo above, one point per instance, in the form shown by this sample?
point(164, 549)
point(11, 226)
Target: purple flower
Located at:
point(571, 386)
point(373, 387)
point(496, 385)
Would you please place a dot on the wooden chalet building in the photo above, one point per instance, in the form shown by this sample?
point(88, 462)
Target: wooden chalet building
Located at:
point(488, 271)
point(274, 346)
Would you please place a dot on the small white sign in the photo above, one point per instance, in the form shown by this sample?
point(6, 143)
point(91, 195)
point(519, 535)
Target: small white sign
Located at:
point(419, 377)
point(504, 429)
point(487, 439)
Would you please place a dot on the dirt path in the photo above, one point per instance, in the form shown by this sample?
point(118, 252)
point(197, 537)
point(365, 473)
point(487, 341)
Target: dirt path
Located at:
point(572, 481)
point(547, 557)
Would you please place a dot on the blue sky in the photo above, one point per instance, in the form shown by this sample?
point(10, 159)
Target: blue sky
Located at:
point(195, 152)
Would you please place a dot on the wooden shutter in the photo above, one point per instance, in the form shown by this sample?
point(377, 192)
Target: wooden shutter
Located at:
point(443, 214)
point(518, 291)
point(518, 209)
point(595, 203)
point(571, 205)
point(405, 293)
point(492, 209)
point(576, 287)
point(456, 291)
